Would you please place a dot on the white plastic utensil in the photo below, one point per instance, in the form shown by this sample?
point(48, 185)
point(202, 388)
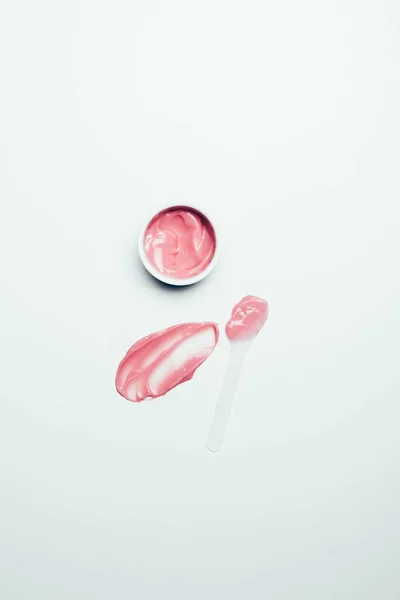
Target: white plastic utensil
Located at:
point(227, 394)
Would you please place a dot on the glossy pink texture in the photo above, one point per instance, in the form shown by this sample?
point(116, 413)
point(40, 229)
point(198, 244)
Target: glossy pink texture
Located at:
point(161, 361)
point(180, 242)
point(247, 318)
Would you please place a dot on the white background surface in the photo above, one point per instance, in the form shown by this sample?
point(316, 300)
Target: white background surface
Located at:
point(283, 118)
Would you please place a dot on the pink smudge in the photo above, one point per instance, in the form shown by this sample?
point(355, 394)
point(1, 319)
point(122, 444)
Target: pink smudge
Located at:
point(162, 360)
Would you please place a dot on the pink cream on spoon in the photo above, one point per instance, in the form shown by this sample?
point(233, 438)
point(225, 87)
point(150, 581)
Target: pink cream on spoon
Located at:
point(247, 318)
point(160, 361)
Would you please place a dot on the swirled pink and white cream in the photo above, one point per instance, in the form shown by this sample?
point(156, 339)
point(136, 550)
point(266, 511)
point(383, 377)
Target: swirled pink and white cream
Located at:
point(162, 360)
point(180, 242)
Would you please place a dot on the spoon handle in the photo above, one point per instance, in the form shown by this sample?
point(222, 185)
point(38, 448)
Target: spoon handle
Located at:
point(226, 397)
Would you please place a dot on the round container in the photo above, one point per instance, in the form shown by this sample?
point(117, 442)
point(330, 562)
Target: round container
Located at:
point(167, 278)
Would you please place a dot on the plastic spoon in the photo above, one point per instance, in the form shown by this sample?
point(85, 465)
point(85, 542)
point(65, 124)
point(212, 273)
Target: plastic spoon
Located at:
point(227, 395)
point(247, 318)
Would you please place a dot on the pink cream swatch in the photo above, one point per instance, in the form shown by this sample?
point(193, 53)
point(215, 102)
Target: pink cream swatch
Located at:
point(180, 242)
point(161, 361)
point(247, 318)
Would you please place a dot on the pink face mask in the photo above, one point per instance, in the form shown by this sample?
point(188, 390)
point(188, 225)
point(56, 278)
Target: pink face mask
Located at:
point(180, 243)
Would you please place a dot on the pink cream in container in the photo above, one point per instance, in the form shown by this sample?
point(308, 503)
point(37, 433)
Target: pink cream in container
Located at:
point(178, 245)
